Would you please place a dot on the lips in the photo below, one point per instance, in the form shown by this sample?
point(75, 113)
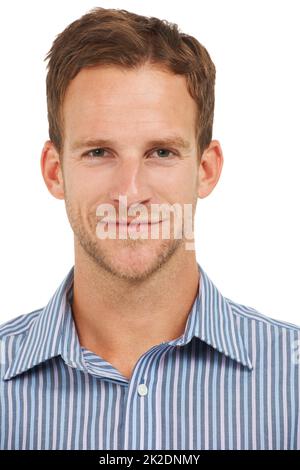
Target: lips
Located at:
point(131, 222)
point(137, 223)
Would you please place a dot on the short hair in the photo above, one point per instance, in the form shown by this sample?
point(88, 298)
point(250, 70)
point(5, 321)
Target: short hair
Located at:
point(117, 37)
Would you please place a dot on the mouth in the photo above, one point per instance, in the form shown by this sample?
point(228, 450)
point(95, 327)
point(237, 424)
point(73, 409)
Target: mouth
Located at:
point(138, 223)
point(133, 228)
point(131, 223)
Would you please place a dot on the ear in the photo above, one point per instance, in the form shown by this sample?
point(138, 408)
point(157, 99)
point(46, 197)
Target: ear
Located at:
point(51, 170)
point(210, 168)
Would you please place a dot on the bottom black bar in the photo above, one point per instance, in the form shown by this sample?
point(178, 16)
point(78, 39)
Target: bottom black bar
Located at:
point(136, 458)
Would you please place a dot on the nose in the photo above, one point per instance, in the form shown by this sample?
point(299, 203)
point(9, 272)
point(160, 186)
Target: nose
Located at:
point(129, 180)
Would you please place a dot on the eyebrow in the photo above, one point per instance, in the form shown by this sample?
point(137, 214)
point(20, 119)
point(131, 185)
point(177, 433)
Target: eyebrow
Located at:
point(170, 141)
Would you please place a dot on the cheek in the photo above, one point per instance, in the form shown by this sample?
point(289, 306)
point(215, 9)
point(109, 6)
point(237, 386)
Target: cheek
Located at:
point(179, 186)
point(85, 185)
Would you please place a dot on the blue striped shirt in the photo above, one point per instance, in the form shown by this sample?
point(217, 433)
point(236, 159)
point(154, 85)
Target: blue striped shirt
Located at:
point(231, 381)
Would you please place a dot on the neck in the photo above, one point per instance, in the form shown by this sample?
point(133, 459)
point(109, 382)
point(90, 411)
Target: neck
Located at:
point(116, 318)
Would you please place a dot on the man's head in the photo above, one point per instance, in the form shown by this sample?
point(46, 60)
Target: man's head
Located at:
point(130, 109)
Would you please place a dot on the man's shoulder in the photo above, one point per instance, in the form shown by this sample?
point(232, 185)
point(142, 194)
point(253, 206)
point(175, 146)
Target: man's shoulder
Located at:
point(19, 324)
point(253, 315)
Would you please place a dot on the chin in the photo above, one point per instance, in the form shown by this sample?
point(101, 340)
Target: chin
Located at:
point(137, 261)
point(134, 259)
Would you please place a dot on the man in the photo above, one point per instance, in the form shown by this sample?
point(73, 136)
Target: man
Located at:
point(137, 348)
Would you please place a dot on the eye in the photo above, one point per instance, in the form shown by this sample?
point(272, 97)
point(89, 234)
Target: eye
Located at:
point(95, 153)
point(163, 153)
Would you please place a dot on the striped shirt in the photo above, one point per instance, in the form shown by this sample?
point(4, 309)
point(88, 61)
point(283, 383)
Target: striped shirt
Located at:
point(231, 381)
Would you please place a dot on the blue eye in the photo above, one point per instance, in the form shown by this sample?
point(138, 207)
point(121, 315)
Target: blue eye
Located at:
point(98, 152)
point(164, 150)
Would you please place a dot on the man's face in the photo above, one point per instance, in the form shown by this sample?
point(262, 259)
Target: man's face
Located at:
point(133, 111)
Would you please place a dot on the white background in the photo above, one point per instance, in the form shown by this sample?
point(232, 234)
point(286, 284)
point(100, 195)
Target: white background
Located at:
point(248, 229)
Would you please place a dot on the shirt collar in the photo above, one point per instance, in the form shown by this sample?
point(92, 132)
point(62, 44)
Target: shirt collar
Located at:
point(213, 321)
point(53, 332)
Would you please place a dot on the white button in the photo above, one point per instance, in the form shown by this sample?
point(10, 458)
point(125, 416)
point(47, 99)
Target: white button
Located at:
point(142, 390)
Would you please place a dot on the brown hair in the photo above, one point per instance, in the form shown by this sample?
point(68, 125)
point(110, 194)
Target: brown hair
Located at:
point(122, 38)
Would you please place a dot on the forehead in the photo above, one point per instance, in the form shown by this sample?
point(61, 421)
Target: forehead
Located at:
point(143, 99)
